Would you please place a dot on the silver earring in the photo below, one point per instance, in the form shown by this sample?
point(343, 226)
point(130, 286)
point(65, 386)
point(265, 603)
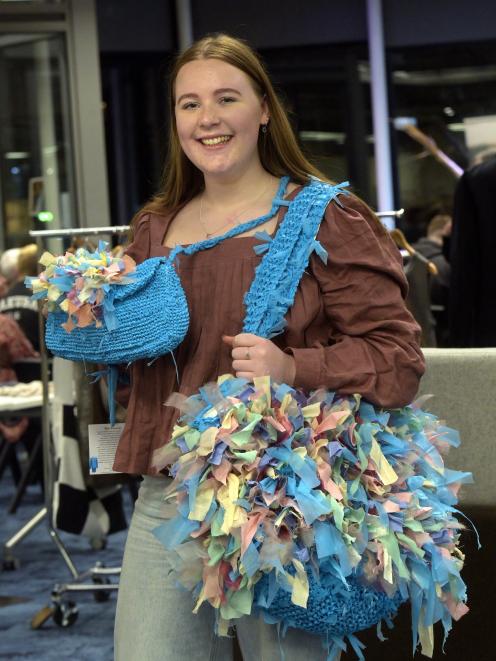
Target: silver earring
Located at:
point(264, 128)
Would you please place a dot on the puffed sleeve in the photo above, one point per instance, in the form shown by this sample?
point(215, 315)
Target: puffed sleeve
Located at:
point(373, 346)
point(139, 249)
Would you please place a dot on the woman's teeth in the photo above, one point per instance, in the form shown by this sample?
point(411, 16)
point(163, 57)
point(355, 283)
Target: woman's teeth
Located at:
point(216, 141)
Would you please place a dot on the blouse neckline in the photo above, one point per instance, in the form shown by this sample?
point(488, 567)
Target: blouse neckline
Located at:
point(286, 196)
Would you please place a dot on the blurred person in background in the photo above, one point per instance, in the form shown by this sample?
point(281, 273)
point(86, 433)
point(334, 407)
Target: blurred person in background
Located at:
point(14, 346)
point(18, 303)
point(4, 286)
point(432, 247)
point(19, 343)
point(472, 314)
point(8, 269)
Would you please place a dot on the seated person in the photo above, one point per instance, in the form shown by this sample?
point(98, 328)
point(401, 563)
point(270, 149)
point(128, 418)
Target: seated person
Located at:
point(14, 346)
point(431, 247)
point(18, 302)
point(8, 269)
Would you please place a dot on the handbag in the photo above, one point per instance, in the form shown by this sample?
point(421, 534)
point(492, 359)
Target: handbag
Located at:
point(316, 511)
point(151, 318)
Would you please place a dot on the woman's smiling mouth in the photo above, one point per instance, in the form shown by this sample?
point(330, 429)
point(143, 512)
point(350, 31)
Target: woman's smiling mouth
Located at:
point(215, 141)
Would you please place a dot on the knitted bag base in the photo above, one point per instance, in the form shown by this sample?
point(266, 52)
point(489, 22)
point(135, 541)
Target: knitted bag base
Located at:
point(152, 319)
point(333, 609)
point(320, 512)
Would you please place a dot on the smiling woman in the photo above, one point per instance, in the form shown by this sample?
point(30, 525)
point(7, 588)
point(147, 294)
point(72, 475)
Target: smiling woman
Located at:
point(289, 280)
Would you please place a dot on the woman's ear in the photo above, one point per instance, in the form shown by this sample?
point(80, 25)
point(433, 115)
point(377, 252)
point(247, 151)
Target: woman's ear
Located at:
point(264, 119)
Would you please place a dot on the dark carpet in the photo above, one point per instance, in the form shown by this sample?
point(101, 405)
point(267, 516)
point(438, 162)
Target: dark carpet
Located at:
point(23, 592)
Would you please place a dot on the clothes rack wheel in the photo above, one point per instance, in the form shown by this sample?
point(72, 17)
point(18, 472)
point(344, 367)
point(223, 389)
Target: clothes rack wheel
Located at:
point(65, 614)
point(101, 595)
point(11, 564)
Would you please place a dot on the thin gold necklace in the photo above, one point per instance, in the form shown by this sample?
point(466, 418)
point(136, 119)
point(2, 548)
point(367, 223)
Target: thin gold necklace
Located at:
point(230, 222)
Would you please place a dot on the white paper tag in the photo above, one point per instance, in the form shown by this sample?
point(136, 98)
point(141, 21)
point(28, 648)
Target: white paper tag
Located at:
point(103, 441)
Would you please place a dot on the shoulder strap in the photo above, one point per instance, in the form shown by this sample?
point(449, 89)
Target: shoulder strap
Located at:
point(240, 229)
point(278, 275)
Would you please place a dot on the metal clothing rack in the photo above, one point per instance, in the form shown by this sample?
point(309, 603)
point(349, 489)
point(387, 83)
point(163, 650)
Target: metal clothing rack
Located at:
point(390, 214)
point(63, 612)
point(398, 213)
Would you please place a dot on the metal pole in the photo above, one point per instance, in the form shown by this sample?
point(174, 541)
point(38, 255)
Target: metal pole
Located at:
point(87, 114)
point(81, 231)
point(184, 25)
point(380, 112)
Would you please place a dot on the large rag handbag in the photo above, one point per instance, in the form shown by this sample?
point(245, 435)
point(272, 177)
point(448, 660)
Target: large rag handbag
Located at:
point(319, 512)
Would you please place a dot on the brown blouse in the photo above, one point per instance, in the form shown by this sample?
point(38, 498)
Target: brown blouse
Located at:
point(348, 329)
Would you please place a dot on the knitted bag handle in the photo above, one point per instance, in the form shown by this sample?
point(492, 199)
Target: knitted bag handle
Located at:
point(240, 229)
point(269, 296)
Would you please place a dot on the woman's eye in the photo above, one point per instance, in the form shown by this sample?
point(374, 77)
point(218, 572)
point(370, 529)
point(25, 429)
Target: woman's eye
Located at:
point(189, 105)
point(227, 99)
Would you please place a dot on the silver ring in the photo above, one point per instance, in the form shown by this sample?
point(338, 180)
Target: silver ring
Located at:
point(247, 354)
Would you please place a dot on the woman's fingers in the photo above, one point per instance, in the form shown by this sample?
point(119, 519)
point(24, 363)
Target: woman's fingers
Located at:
point(243, 365)
point(246, 375)
point(244, 340)
point(245, 346)
point(228, 339)
point(256, 356)
point(243, 353)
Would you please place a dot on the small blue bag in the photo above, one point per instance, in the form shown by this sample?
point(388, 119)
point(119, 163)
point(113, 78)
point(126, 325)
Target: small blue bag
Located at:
point(151, 314)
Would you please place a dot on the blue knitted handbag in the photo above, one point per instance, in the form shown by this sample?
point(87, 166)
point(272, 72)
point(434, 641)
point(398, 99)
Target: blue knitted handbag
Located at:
point(151, 314)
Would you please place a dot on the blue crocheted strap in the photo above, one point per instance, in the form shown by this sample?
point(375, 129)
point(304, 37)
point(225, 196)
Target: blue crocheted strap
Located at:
point(281, 202)
point(287, 255)
point(235, 231)
point(112, 374)
point(319, 249)
point(262, 247)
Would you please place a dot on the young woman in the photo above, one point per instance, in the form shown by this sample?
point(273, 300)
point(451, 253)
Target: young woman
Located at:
point(231, 146)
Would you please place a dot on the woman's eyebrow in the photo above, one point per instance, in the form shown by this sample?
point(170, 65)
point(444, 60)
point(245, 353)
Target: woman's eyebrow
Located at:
point(222, 90)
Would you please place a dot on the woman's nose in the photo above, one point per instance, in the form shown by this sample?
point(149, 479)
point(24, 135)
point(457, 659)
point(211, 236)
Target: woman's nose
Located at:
point(208, 115)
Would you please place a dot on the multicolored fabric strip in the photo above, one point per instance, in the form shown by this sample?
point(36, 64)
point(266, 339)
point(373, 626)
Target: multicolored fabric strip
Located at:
point(307, 507)
point(80, 284)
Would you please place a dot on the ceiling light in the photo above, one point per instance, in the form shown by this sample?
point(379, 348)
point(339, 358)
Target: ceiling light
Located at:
point(16, 154)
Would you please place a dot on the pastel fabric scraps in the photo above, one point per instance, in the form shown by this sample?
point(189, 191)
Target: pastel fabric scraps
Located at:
point(80, 285)
point(317, 511)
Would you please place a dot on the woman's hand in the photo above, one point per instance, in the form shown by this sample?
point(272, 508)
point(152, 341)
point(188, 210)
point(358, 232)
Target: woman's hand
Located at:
point(256, 356)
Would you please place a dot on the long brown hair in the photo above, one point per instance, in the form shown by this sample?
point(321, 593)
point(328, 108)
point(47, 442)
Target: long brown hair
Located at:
point(278, 148)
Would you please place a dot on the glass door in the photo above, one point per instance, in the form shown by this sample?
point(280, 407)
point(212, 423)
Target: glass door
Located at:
point(36, 178)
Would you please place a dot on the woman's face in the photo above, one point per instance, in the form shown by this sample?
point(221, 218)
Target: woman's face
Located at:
point(218, 117)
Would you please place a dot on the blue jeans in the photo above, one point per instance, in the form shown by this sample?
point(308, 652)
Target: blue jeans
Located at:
point(154, 621)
